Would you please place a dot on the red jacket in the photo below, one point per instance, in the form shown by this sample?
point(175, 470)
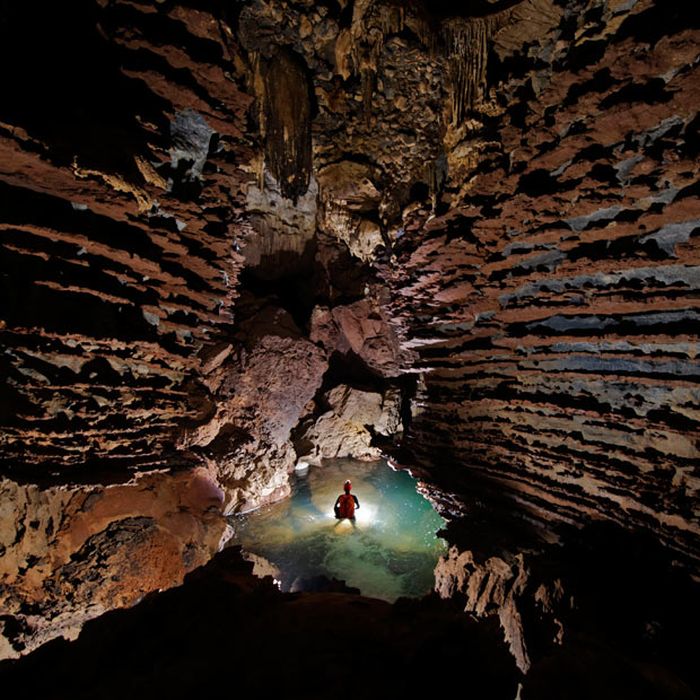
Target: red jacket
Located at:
point(345, 505)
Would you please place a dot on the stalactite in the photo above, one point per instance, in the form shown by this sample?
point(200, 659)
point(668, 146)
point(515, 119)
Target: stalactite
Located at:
point(256, 85)
point(463, 41)
point(371, 24)
point(466, 44)
point(286, 123)
point(425, 30)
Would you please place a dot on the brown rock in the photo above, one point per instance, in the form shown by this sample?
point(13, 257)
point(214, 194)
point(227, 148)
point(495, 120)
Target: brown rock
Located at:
point(344, 431)
point(72, 553)
point(261, 397)
point(363, 328)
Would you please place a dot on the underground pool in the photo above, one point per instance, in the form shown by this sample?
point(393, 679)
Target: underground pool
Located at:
point(389, 552)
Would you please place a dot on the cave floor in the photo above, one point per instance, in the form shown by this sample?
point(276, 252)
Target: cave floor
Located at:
point(227, 633)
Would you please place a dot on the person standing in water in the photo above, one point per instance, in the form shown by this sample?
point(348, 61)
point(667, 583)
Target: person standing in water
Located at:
point(346, 503)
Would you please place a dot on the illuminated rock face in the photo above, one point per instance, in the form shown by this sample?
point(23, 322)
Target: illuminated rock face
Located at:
point(347, 428)
point(552, 305)
point(502, 207)
point(70, 553)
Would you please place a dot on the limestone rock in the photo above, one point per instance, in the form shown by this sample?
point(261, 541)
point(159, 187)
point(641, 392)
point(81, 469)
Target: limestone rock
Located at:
point(348, 194)
point(346, 430)
point(550, 303)
point(493, 586)
point(118, 252)
point(499, 200)
point(72, 553)
point(282, 230)
point(361, 328)
point(261, 395)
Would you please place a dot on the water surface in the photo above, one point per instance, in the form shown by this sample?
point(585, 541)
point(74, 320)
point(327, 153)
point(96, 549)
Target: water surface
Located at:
point(390, 550)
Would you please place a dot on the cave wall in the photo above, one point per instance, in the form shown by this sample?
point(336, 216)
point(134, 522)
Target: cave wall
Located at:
point(122, 181)
point(553, 303)
point(139, 147)
point(118, 252)
point(69, 553)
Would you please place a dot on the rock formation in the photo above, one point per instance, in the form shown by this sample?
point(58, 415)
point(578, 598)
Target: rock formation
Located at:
point(70, 553)
point(560, 278)
point(225, 618)
point(234, 235)
point(344, 430)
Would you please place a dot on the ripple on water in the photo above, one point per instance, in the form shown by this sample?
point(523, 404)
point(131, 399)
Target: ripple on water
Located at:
point(391, 551)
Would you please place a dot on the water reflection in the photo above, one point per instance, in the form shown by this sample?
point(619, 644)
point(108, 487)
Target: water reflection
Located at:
point(390, 550)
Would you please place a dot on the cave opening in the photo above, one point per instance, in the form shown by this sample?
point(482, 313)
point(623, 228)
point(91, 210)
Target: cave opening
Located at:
point(389, 551)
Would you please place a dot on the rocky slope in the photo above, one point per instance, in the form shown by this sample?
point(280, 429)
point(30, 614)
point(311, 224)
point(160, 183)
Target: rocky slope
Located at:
point(226, 629)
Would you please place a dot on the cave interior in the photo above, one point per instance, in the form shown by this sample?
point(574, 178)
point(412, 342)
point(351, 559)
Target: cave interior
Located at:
point(240, 236)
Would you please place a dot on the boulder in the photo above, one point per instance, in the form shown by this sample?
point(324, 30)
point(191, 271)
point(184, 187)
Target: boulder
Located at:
point(355, 416)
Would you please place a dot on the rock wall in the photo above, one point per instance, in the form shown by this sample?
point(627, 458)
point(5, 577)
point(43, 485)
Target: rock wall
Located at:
point(70, 553)
point(136, 187)
point(552, 297)
point(122, 180)
point(121, 212)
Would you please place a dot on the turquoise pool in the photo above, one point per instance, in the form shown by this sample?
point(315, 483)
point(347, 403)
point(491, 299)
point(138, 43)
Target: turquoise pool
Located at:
point(390, 550)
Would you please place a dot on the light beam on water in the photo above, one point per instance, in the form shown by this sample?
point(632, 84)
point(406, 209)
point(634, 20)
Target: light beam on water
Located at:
point(390, 550)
